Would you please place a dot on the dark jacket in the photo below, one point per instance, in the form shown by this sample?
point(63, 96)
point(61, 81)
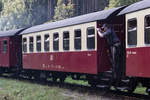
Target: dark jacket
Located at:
point(111, 37)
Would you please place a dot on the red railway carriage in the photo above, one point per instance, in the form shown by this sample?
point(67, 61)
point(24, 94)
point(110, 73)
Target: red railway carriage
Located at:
point(10, 49)
point(70, 45)
point(138, 39)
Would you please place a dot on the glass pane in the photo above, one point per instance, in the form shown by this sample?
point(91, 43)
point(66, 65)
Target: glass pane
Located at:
point(77, 41)
point(24, 45)
point(56, 42)
point(91, 38)
point(46, 42)
point(66, 40)
point(5, 46)
point(0, 47)
point(31, 44)
point(38, 43)
point(132, 32)
point(147, 29)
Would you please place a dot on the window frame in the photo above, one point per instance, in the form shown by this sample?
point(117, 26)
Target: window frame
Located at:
point(75, 39)
point(37, 43)
point(30, 44)
point(88, 28)
point(145, 29)
point(55, 41)
point(46, 42)
point(68, 39)
point(132, 45)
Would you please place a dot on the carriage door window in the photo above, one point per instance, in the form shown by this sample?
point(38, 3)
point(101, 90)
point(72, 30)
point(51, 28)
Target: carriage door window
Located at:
point(66, 40)
point(91, 38)
point(24, 45)
point(77, 40)
point(38, 43)
point(46, 43)
point(147, 29)
point(132, 32)
point(5, 46)
point(31, 44)
point(56, 42)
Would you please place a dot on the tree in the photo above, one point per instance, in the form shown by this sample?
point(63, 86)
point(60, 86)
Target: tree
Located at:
point(63, 10)
point(1, 6)
point(22, 13)
point(117, 3)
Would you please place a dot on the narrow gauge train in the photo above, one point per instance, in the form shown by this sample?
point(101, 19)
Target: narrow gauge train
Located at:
point(72, 47)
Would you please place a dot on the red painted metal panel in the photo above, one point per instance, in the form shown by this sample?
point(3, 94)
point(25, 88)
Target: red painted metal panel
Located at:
point(4, 57)
point(79, 62)
point(137, 62)
point(11, 58)
point(103, 55)
point(15, 51)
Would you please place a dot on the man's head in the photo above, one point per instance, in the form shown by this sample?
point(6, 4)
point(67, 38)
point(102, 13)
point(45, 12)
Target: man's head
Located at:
point(105, 27)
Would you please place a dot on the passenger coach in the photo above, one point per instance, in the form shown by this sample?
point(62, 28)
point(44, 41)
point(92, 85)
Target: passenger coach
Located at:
point(10, 50)
point(71, 45)
point(138, 41)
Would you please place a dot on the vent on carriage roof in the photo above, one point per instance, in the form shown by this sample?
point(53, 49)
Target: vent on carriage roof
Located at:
point(135, 7)
point(100, 15)
point(10, 32)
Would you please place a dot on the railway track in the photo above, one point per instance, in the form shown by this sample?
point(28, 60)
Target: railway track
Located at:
point(84, 89)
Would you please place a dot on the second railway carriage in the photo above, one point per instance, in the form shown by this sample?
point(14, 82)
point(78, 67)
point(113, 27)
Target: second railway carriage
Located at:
point(10, 50)
point(138, 41)
point(70, 45)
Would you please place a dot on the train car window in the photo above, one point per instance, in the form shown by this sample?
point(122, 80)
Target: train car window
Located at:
point(31, 44)
point(38, 43)
point(132, 32)
point(46, 42)
point(77, 39)
point(66, 40)
point(24, 45)
point(5, 46)
point(0, 46)
point(91, 38)
point(56, 42)
point(147, 29)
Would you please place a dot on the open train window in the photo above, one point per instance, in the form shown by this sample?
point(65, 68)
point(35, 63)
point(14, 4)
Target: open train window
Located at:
point(24, 44)
point(46, 42)
point(56, 42)
point(147, 29)
point(38, 43)
point(132, 32)
point(91, 38)
point(31, 44)
point(66, 40)
point(77, 39)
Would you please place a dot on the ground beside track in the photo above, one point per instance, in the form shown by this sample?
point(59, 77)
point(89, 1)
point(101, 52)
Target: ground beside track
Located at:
point(11, 89)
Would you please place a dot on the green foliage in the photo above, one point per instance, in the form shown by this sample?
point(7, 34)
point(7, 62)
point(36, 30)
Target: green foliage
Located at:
point(117, 3)
point(22, 13)
point(1, 6)
point(63, 11)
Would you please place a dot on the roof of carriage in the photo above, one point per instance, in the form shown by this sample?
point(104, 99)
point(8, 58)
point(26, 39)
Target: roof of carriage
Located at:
point(10, 32)
point(100, 15)
point(135, 7)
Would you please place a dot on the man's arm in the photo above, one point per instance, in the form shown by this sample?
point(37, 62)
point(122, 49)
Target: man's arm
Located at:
point(100, 32)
